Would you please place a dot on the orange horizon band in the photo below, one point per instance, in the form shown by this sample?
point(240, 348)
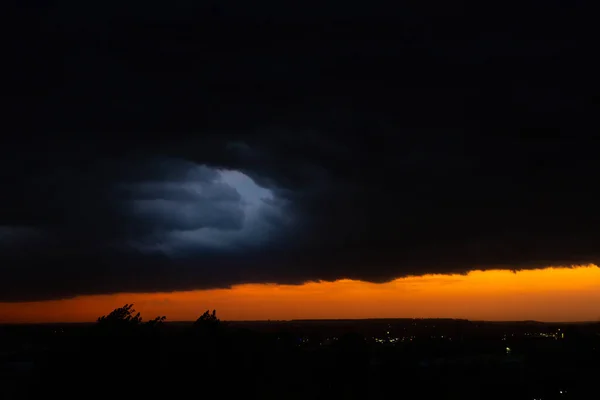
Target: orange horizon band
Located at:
point(549, 294)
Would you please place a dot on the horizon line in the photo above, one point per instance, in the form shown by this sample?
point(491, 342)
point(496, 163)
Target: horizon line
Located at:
point(330, 319)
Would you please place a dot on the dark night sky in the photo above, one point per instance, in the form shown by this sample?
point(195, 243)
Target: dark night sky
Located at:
point(165, 146)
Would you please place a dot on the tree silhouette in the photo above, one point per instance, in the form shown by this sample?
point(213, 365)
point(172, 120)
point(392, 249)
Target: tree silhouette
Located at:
point(123, 316)
point(126, 320)
point(208, 325)
point(208, 319)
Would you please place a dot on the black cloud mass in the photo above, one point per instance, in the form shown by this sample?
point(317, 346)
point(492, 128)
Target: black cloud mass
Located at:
point(159, 147)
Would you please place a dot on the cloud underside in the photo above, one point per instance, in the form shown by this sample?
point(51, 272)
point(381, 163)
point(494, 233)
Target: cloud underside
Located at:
point(373, 212)
point(148, 170)
point(52, 276)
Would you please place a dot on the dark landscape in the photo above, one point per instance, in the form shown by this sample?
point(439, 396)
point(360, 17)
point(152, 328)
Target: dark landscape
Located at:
point(122, 356)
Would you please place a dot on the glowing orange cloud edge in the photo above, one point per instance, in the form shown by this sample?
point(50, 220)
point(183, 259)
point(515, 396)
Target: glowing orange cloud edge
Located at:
point(550, 294)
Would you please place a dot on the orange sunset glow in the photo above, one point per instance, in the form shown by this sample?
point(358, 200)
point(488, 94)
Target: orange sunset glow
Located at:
point(551, 294)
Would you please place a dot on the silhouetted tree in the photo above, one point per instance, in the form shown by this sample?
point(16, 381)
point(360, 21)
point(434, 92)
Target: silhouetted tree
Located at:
point(208, 320)
point(121, 317)
point(208, 325)
point(125, 320)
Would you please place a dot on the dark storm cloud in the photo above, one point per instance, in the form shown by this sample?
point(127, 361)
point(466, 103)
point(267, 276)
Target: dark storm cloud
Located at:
point(460, 144)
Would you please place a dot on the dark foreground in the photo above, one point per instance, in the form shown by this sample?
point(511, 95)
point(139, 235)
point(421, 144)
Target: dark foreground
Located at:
point(406, 359)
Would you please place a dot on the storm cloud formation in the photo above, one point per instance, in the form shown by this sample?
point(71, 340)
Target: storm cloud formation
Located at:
point(205, 146)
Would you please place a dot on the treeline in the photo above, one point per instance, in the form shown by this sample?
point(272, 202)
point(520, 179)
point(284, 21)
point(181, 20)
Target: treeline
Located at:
point(125, 320)
point(123, 355)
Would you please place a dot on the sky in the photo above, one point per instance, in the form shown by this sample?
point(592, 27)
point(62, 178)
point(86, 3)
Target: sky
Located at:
point(549, 295)
point(265, 155)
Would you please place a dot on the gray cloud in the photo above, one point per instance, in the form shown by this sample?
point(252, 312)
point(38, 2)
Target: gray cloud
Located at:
point(386, 207)
point(209, 209)
point(167, 164)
